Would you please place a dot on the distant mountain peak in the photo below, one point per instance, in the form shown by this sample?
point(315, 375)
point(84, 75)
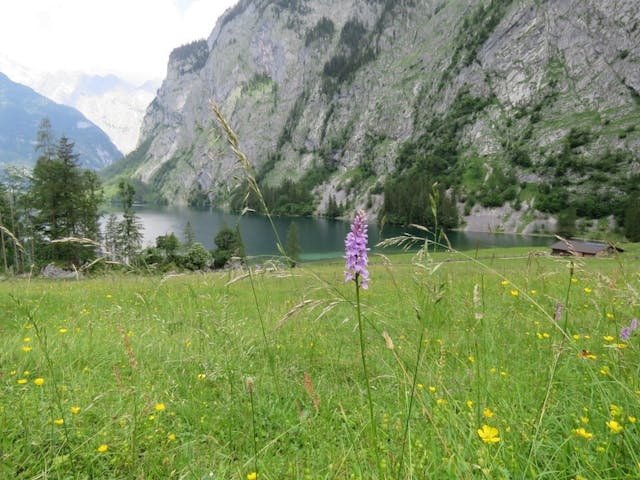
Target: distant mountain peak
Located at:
point(21, 111)
point(114, 104)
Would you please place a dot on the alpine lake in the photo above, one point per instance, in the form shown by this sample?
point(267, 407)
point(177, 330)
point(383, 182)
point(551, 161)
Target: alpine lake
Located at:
point(319, 238)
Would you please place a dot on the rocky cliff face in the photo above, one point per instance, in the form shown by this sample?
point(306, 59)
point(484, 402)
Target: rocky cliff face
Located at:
point(348, 97)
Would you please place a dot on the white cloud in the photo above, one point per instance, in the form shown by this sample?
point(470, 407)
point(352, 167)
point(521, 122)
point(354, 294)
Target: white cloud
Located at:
point(131, 38)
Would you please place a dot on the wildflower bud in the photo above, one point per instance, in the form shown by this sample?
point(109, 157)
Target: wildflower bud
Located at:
point(558, 315)
point(476, 296)
point(250, 383)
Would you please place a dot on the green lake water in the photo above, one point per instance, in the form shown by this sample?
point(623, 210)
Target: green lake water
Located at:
point(319, 238)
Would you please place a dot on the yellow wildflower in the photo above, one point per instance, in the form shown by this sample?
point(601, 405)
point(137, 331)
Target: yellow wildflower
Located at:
point(59, 421)
point(582, 433)
point(515, 293)
point(103, 448)
point(608, 338)
point(63, 330)
point(614, 426)
point(469, 403)
point(615, 410)
point(488, 434)
point(587, 290)
point(171, 436)
point(487, 413)
point(632, 419)
point(26, 349)
point(22, 381)
point(39, 381)
point(252, 476)
point(505, 283)
point(75, 410)
point(159, 407)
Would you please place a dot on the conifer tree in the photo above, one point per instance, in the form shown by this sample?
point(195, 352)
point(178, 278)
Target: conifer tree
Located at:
point(189, 234)
point(632, 220)
point(64, 199)
point(130, 228)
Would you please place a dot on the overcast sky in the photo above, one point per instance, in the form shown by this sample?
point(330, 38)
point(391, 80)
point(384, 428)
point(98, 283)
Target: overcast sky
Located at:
point(129, 38)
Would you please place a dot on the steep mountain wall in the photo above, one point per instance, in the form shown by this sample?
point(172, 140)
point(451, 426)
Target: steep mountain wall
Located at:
point(506, 104)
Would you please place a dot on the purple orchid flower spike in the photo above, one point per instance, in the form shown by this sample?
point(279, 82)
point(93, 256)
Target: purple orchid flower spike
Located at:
point(356, 252)
point(625, 333)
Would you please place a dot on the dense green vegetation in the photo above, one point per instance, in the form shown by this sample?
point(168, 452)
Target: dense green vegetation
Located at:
point(509, 368)
point(51, 214)
point(354, 50)
point(433, 157)
point(323, 30)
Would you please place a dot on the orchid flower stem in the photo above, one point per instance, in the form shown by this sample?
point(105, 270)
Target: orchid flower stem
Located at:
point(374, 431)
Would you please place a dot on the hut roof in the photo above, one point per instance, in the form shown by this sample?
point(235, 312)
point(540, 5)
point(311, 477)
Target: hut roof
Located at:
point(590, 248)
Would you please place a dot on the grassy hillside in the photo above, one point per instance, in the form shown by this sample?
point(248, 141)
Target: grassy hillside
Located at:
point(226, 375)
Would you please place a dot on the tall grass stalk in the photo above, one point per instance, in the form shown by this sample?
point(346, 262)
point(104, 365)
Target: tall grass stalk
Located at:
point(247, 168)
point(412, 395)
point(254, 433)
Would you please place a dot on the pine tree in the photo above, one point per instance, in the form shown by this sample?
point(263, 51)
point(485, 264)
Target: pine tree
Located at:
point(130, 228)
point(112, 237)
point(15, 184)
point(632, 220)
point(45, 142)
point(3, 216)
point(566, 226)
point(189, 234)
point(64, 199)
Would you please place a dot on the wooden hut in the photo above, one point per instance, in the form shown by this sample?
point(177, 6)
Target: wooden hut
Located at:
point(567, 248)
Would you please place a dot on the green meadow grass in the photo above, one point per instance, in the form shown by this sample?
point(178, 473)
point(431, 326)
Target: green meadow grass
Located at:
point(235, 376)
